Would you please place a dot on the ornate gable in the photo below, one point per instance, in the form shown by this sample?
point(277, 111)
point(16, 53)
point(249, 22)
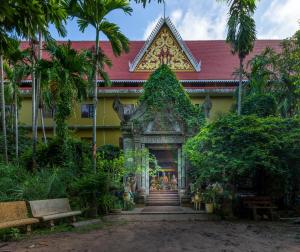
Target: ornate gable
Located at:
point(165, 46)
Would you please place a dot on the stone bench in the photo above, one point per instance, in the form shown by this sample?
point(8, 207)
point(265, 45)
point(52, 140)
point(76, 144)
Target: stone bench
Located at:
point(52, 209)
point(15, 214)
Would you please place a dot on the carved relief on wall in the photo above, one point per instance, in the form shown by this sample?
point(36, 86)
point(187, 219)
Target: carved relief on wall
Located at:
point(165, 50)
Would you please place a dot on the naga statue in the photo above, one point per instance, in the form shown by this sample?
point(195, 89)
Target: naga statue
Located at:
point(207, 106)
point(124, 111)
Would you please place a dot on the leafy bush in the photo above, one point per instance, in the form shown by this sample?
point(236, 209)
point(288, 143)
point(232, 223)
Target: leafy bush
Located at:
point(69, 153)
point(109, 152)
point(262, 105)
point(24, 143)
point(233, 147)
point(16, 183)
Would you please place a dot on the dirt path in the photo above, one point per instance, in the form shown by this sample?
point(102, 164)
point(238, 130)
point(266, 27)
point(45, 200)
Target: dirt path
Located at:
point(166, 236)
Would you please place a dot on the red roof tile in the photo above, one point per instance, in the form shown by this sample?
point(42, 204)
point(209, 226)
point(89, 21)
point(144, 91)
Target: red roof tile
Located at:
point(217, 62)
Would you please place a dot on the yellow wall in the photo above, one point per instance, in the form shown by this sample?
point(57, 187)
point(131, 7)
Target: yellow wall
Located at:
point(107, 119)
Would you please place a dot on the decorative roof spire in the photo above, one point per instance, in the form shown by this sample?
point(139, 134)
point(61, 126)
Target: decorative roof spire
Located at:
point(164, 9)
point(179, 51)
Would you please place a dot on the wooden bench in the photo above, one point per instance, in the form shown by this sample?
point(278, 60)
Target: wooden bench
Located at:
point(52, 209)
point(259, 202)
point(15, 214)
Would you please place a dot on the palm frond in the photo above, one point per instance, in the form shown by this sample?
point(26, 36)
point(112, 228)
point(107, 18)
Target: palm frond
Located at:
point(118, 40)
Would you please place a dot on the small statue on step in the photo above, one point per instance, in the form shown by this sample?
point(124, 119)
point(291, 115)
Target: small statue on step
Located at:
point(165, 181)
point(153, 186)
point(174, 182)
point(133, 184)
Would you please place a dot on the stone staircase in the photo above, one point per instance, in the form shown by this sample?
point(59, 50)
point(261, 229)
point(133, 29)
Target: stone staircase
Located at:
point(163, 198)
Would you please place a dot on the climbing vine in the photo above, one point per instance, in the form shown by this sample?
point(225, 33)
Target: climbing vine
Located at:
point(163, 93)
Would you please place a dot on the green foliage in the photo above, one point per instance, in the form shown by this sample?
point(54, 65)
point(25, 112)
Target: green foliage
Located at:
point(241, 26)
point(70, 153)
point(64, 81)
point(278, 74)
point(164, 93)
point(262, 105)
point(18, 184)
point(104, 183)
point(24, 142)
point(10, 234)
point(144, 2)
point(109, 151)
point(233, 147)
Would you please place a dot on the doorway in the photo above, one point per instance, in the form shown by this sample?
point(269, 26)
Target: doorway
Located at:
point(166, 179)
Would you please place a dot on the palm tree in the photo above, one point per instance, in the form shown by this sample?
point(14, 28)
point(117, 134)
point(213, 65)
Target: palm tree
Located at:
point(94, 13)
point(19, 17)
point(3, 47)
point(66, 79)
point(241, 34)
point(16, 69)
point(54, 12)
point(144, 2)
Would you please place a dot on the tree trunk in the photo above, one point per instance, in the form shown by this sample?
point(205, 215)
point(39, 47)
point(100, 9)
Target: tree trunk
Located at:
point(95, 105)
point(38, 87)
point(3, 110)
point(240, 87)
point(43, 125)
point(93, 208)
point(33, 88)
point(16, 122)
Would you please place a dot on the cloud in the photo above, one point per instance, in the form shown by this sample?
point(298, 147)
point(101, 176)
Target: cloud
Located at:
point(192, 26)
point(207, 20)
point(280, 19)
point(150, 28)
point(195, 21)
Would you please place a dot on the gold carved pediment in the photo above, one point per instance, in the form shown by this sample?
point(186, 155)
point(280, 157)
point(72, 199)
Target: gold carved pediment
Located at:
point(165, 50)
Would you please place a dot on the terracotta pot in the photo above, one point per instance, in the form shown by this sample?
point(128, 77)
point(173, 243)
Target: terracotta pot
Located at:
point(209, 207)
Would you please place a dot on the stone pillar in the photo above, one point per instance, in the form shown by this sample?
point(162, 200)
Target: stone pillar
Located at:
point(179, 164)
point(137, 148)
point(145, 167)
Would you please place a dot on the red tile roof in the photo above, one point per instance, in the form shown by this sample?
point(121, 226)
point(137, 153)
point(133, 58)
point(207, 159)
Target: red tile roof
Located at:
point(217, 62)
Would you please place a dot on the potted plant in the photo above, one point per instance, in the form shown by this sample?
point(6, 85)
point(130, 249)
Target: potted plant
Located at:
point(210, 195)
point(209, 201)
point(117, 208)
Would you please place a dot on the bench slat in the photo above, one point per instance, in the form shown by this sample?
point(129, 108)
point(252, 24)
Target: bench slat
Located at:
point(17, 223)
point(60, 215)
point(41, 208)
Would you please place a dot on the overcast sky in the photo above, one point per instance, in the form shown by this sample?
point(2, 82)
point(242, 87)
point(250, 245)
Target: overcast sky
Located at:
point(199, 20)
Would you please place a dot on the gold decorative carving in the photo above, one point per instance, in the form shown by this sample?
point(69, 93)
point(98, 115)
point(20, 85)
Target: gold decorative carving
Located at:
point(165, 50)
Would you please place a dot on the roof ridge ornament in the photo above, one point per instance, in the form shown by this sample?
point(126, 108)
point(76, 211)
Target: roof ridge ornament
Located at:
point(164, 21)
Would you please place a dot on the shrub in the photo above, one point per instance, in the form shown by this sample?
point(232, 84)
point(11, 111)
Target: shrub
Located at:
point(69, 153)
point(109, 152)
point(16, 183)
point(262, 105)
point(233, 147)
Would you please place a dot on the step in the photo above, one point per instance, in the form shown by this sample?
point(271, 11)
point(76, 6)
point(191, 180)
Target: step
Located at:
point(162, 204)
point(163, 198)
point(164, 192)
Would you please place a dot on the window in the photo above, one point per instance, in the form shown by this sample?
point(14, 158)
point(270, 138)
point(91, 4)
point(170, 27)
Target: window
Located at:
point(87, 110)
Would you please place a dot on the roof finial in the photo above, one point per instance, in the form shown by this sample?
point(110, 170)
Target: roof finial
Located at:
point(164, 9)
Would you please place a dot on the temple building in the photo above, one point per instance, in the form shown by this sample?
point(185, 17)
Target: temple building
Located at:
point(205, 69)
